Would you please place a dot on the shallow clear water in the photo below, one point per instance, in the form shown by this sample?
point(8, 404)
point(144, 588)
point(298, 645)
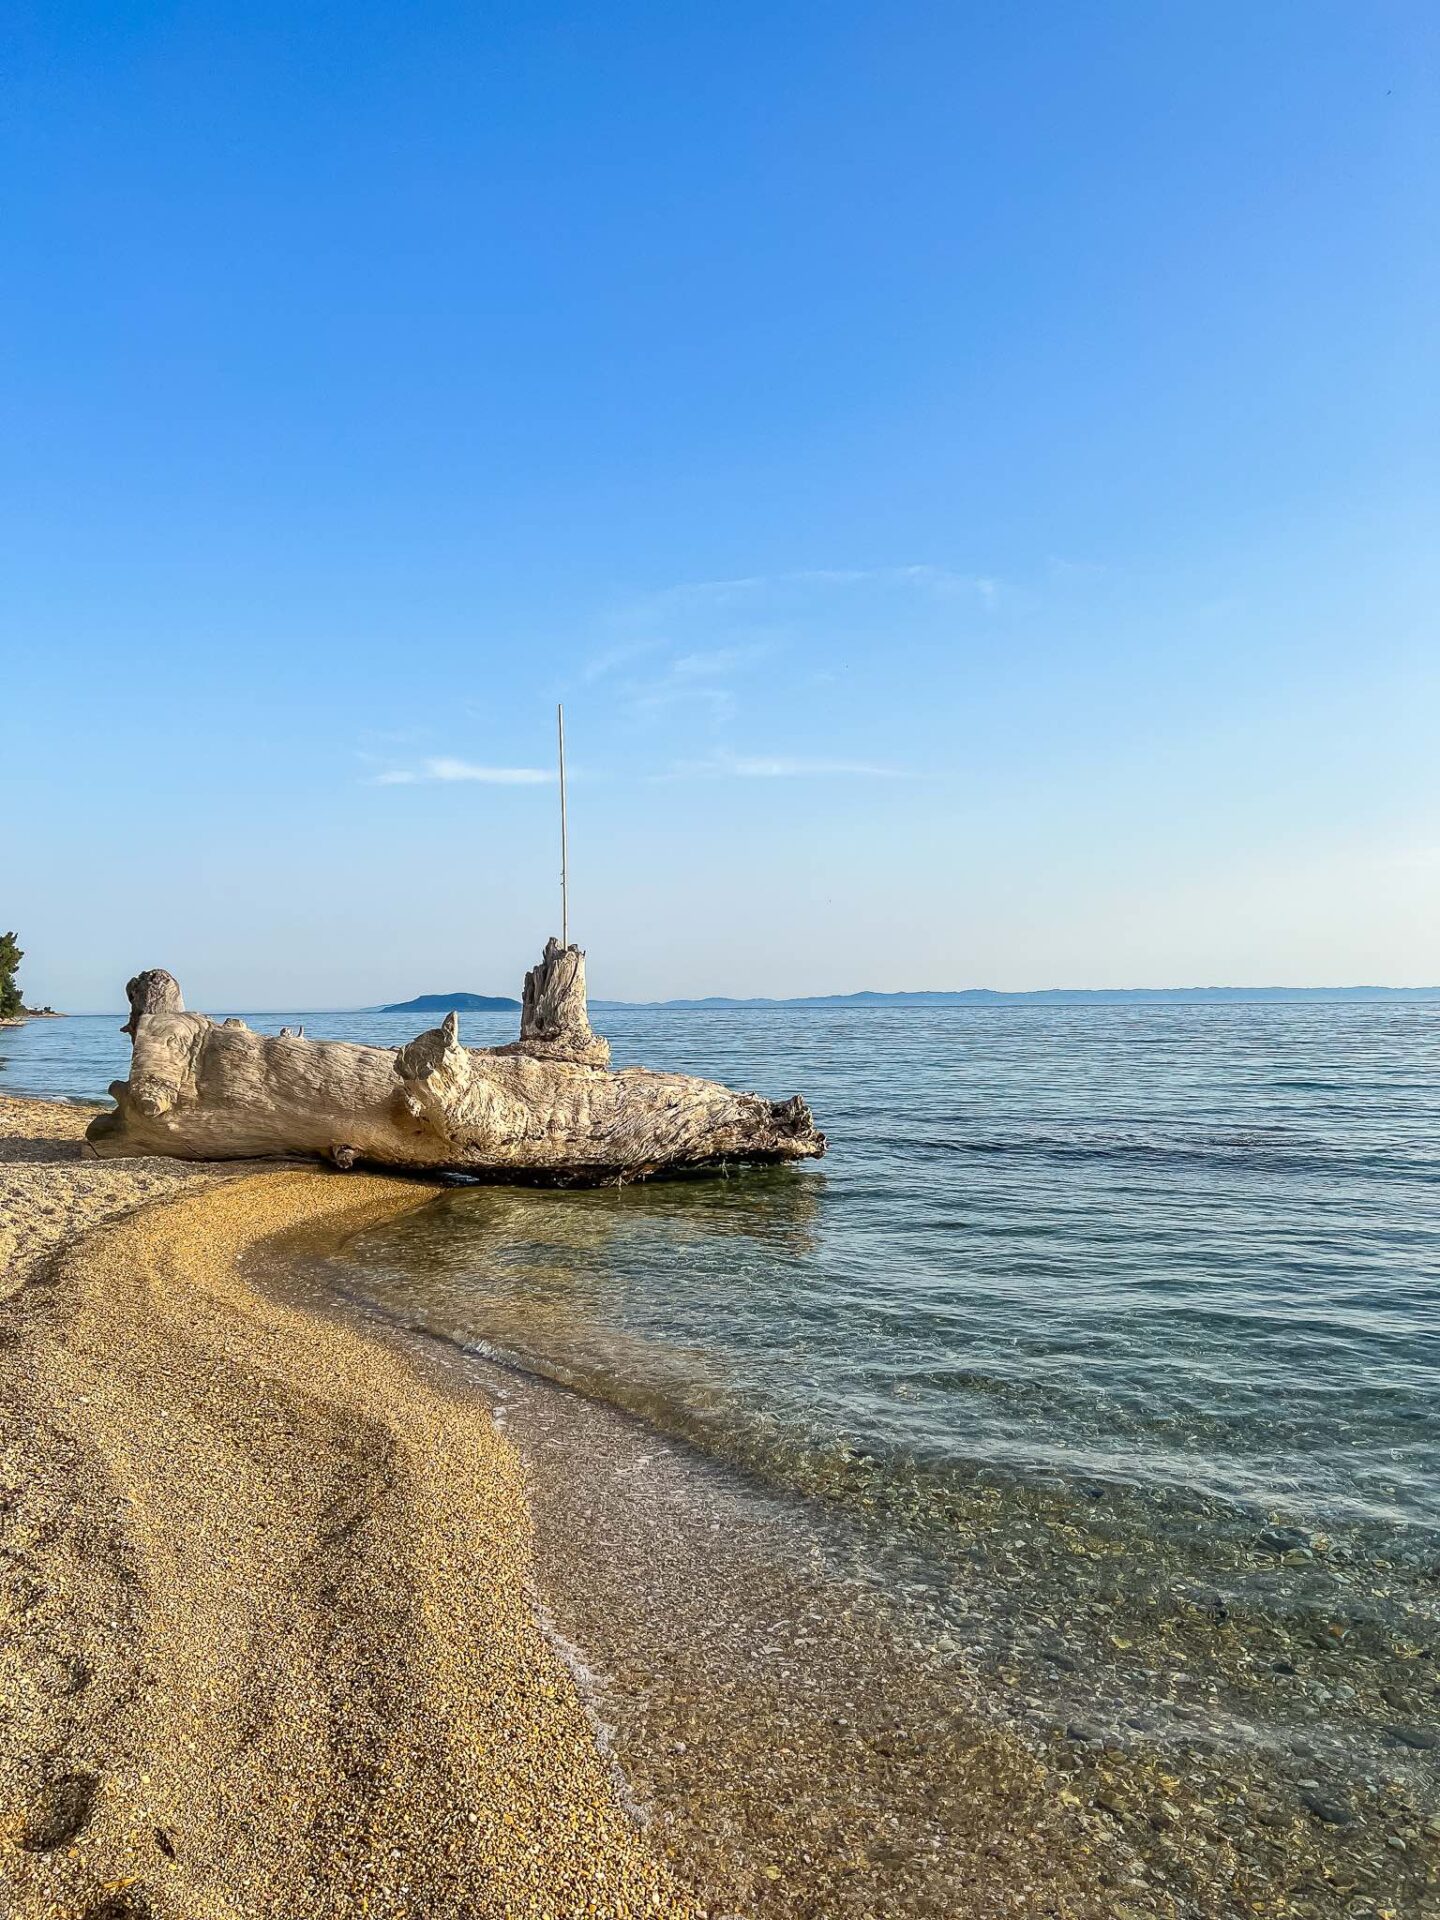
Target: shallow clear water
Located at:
point(1102, 1352)
point(1190, 1251)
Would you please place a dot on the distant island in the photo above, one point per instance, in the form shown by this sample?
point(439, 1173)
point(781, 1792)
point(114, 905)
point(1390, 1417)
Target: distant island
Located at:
point(1045, 996)
point(455, 1003)
point(961, 997)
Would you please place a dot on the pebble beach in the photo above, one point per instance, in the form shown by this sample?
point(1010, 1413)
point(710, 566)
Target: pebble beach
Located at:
point(268, 1644)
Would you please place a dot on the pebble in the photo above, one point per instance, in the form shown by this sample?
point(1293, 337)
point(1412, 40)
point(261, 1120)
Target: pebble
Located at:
point(1285, 1539)
point(1421, 1738)
point(1334, 1813)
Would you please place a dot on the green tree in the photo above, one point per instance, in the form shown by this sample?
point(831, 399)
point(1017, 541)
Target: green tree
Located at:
point(10, 958)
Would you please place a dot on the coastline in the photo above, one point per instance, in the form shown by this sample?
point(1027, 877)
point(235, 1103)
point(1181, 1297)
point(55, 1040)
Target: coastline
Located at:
point(307, 1610)
point(293, 1628)
point(823, 1717)
point(269, 1640)
point(795, 1745)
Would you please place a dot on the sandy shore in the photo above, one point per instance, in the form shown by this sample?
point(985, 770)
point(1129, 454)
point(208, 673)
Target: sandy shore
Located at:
point(265, 1641)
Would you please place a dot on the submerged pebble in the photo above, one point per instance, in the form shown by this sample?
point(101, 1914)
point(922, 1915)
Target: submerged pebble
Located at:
point(1333, 1812)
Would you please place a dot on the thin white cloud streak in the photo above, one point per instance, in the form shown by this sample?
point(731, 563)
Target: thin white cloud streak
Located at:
point(614, 658)
point(444, 770)
point(698, 664)
point(694, 679)
point(709, 665)
point(781, 767)
point(750, 592)
point(645, 704)
point(946, 581)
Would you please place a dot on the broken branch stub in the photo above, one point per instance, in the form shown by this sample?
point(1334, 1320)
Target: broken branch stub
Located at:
point(555, 1013)
point(153, 991)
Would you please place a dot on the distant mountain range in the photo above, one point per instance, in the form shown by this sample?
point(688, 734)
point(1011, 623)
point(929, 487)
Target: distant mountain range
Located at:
point(1047, 997)
point(964, 997)
point(454, 1003)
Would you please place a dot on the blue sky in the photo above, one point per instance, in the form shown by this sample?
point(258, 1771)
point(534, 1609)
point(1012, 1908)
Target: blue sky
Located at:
point(969, 471)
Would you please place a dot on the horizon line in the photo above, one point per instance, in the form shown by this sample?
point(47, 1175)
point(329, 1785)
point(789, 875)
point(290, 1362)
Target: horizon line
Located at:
point(736, 1001)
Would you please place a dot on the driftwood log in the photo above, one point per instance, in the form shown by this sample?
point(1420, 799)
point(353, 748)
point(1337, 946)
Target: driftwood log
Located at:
point(545, 1108)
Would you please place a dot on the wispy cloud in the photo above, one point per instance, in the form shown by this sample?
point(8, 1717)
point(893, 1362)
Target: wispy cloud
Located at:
point(737, 766)
point(636, 660)
point(445, 770)
point(612, 659)
point(942, 580)
point(745, 589)
point(712, 663)
point(651, 676)
point(646, 703)
point(699, 679)
point(749, 615)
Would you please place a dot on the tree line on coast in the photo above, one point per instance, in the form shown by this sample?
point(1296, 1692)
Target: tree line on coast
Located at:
point(11, 1001)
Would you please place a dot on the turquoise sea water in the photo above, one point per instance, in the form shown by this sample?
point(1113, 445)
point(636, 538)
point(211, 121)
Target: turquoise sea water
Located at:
point(1107, 1340)
point(1194, 1251)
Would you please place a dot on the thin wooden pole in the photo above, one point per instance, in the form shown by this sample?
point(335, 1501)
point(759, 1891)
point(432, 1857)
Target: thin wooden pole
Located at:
point(564, 846)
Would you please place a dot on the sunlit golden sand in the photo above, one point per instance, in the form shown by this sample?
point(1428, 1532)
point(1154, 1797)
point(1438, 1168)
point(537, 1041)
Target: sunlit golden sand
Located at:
point(268, 1647)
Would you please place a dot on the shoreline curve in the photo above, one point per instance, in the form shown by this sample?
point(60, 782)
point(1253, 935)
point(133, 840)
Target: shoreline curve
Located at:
point(269, 1646)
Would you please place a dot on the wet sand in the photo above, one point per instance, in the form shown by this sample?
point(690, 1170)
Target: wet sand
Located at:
point(266, 1641)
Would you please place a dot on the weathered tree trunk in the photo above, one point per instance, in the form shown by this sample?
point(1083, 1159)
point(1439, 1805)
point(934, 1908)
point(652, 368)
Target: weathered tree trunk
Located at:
point(543, 1109)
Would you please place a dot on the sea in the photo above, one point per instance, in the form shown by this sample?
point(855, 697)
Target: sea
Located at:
point(1103, 1346)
